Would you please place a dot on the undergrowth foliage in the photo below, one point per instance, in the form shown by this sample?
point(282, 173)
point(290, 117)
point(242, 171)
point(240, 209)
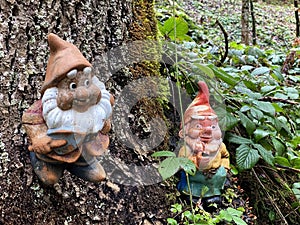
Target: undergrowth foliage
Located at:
point(260, 86)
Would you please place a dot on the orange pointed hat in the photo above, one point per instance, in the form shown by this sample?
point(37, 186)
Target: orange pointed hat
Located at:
point(200, 105)
point(64, 57)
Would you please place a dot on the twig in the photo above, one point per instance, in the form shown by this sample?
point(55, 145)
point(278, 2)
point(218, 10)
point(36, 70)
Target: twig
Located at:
point(287, 168)
point(270, 198)
point(274, 99)
point(226, 41)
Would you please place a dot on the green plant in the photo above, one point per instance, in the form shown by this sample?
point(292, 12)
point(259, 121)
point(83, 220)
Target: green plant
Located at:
point(202, 217)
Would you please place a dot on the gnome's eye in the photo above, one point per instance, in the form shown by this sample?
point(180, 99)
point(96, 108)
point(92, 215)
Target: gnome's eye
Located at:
point(198, 126)
point(86, 83)
point(73, 86)
point(213, 127)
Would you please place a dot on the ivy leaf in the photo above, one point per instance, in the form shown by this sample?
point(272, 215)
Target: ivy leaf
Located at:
point(246, 157)
point(169, 167)
point(247, 123)
point(163, 154)
point(265, 154)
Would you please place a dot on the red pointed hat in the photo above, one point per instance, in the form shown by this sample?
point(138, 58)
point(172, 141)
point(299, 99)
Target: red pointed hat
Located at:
point(64, 57)
point(200, 106)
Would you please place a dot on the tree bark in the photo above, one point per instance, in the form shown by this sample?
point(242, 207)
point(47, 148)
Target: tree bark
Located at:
point(245, 22)
point(297, 18)
point(94, 27)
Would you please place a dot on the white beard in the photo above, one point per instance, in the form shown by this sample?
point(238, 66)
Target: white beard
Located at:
point(90, 121)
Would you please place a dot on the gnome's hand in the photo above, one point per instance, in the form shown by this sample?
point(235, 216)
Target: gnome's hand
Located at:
point(44, 145)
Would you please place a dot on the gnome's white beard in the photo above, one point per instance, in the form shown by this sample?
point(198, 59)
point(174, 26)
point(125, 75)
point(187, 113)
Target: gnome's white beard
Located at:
point(90, 121)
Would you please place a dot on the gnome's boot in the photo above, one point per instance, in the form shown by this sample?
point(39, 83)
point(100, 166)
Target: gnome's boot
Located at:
point(90, 171)
point(48, 173)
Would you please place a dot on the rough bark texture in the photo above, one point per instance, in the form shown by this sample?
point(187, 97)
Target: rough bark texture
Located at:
point(95, 27)
point(245, 22)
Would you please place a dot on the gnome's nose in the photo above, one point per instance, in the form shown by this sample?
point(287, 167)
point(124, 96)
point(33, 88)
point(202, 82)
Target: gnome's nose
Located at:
point(82, 93)
point(207, 131)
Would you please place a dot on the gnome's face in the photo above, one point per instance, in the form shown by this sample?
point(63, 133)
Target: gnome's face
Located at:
point(205, 128)
point(77, 91)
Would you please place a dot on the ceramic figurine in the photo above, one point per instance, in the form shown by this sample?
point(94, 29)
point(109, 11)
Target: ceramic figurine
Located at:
point(204, 146)
point(68, 127)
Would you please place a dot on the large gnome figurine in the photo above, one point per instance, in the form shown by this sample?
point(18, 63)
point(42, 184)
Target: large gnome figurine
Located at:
point(68, 127)
point(204, 146)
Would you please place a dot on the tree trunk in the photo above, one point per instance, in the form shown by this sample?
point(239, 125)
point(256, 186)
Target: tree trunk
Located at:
point(95, 27)
point(245, 22)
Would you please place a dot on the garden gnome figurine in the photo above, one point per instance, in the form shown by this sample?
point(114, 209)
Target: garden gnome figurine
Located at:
point(68, 127)
point(204, 146)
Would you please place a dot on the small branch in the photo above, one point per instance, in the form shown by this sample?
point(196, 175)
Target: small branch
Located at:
point(226, 41)
point(287, 168)
point(274, 99)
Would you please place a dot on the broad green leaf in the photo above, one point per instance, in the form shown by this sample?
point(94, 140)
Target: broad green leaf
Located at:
point(260, 133)
point(246, 157)
point(225, 215)
point(292, 92)
point(256, 113)
point(228, 122)
point(247, 123)
point(187, 165)
point(260, 71)
point(265, 89)
point(277, 75)
point(233, 138)
point(205, 69)
point(296, 163)
point(222, 75)
point(245, 108)
point(246, 67)
point(277, 107)
point(282, 161)
point(171, 221)
point(163, 154)
point(249, 84)
point(296, 185)
point(239, 221)
point(234, 212)
point(265, 154)
point(265, 106)
point(175, 26)
point(248, 92)
point(169, 167)
point(279, 147)
point(280, 95)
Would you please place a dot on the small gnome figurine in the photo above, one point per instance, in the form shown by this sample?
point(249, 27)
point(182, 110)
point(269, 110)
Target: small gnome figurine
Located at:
point(204, 146)
point(68, 127)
